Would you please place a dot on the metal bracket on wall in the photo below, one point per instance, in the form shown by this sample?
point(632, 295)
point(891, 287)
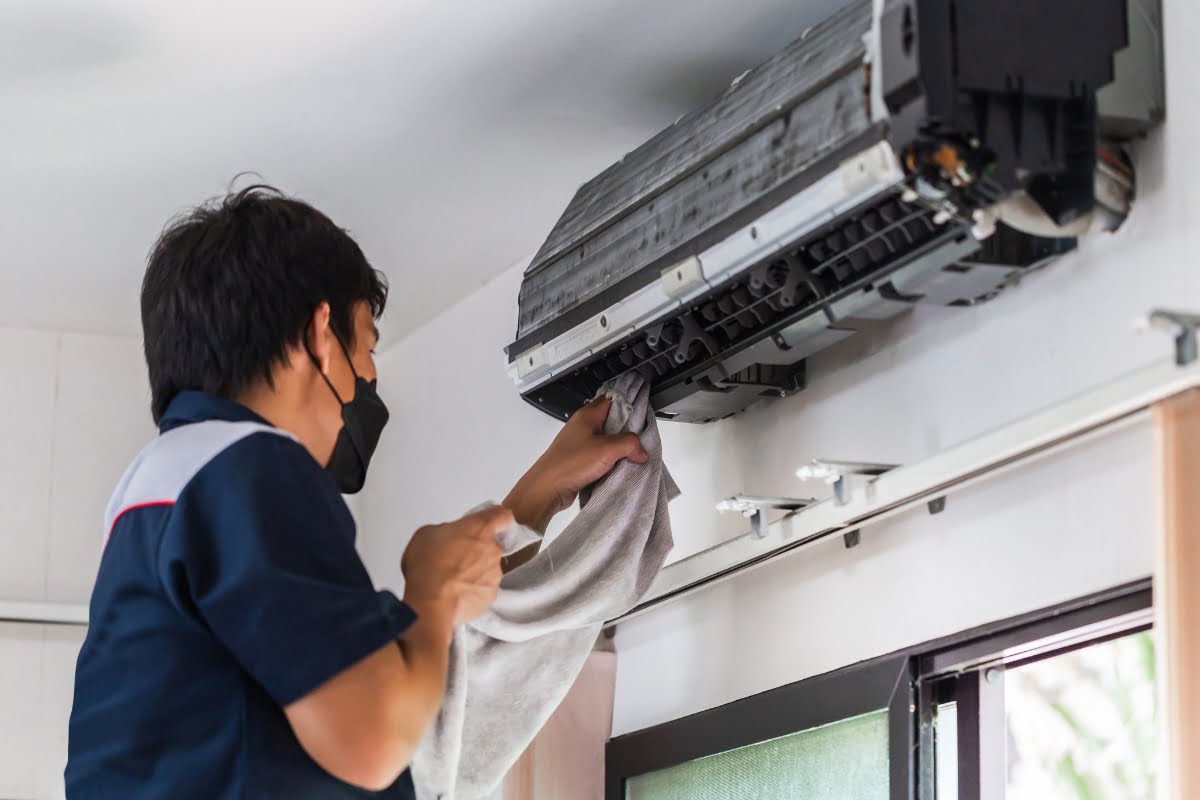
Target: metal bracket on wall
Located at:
point(1108, 407)
point(752, 508)
point(1183, 325)
point(839, 473)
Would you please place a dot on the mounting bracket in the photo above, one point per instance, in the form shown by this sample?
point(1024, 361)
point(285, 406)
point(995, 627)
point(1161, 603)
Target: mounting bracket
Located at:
point(1183, 325)
point(752, 508)
point(839, 473)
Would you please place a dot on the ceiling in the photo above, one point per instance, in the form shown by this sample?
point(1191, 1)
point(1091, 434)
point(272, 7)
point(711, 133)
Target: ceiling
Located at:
point(446, 136)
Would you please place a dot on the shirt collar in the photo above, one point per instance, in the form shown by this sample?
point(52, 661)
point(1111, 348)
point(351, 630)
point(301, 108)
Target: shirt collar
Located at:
point(195, 406)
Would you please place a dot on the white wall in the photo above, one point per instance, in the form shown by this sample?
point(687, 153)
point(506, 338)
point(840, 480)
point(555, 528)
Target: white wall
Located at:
point(74, 409)
point(938, 377)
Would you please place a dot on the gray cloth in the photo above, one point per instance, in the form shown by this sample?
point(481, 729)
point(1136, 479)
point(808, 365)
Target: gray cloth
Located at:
point(512, 667)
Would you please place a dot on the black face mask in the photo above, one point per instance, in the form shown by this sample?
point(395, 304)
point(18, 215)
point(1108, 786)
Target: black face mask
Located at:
point(363, 419)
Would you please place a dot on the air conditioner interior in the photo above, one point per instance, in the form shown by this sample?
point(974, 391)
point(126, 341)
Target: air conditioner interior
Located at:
point(749, 340)
point(674, 262)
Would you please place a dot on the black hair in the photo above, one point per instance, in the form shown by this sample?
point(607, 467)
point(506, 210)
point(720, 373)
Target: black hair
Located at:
point(231, 285)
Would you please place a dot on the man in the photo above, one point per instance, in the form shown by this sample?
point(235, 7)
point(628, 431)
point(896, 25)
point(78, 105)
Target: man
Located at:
point(237, 648)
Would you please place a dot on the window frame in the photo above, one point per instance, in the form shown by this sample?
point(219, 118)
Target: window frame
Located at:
point(971, 673)
point(910, 684)
point(884, 683)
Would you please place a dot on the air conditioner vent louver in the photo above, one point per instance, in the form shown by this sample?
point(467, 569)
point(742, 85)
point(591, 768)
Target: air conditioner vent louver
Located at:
point(792, 284)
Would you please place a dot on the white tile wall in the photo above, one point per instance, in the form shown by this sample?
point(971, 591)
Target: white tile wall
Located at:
point(37, 667)
point(102, 419)
point(59, 650)
point(20, 714)
point(74, 409)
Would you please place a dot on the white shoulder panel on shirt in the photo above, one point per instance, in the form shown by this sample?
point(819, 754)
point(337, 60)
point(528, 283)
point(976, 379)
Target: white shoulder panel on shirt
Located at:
point(166, 465)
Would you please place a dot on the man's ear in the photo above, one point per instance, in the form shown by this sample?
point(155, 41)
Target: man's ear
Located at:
point(319, 337)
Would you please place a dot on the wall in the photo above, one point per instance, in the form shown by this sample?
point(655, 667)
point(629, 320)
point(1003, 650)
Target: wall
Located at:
point(74, 409)
point(1079, 523)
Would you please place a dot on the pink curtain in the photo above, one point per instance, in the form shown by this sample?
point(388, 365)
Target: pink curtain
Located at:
point(566, 760)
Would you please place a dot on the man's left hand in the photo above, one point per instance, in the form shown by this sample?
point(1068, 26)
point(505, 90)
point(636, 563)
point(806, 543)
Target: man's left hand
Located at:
point(579, 456)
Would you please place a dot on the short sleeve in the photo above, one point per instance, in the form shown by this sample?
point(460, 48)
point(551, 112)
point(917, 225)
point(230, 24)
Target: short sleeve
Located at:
point(265, 545)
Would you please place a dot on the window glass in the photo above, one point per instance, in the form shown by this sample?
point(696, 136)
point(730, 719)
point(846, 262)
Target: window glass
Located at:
point(846, 759)
point(946, 748)
point(1081, 726)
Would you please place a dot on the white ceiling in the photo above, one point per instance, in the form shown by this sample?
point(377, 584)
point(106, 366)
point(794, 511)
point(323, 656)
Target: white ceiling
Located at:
point(446, 136)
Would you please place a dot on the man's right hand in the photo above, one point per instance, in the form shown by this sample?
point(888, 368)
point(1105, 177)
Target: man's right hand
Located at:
point(455, 567)
point(364, 724)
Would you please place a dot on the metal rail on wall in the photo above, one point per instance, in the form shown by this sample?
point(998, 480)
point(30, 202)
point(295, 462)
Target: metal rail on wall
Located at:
point(37, 613)
point(927, 483)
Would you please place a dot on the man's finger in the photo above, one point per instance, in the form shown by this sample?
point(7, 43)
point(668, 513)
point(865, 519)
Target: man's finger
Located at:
point(628, 446)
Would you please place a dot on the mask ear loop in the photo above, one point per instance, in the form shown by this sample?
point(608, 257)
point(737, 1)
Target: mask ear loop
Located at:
point(346, 353)
point(325, 377)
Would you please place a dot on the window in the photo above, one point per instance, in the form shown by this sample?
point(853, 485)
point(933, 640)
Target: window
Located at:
point(1081, 725)
point(1060, 707)
point(842, 759)
point(1054, 705)
point(845, 734)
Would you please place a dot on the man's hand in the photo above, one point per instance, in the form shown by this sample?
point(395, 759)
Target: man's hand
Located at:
point(579, 456)
point(364, 724)
point(455, 566)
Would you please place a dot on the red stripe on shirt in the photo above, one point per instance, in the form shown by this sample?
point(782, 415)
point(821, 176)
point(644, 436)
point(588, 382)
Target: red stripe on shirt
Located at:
point(135, 507)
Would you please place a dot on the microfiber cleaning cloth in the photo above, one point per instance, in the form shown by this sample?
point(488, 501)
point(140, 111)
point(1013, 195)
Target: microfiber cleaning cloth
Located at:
point(512, 667)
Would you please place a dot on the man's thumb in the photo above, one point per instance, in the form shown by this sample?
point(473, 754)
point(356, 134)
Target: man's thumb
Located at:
point(596, 412)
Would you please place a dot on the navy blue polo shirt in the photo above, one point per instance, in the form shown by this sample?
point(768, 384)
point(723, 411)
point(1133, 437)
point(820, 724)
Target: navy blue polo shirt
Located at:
point(229, 587)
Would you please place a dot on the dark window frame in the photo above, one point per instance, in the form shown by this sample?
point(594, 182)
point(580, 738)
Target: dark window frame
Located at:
point(971, 672)
point(871, 686)
point(909, 683)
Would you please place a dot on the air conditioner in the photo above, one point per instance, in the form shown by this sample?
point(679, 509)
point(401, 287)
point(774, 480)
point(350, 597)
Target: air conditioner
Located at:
point(901, 152)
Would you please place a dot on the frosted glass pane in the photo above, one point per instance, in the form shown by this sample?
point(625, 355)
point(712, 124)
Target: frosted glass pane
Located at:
point(847, 759)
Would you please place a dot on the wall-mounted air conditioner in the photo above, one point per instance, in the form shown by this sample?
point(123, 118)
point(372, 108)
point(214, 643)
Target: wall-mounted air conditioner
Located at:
point(902, 152)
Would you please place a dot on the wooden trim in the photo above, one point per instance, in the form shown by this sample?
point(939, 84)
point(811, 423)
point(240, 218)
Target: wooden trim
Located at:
point(1177, 590)
point(566, 758)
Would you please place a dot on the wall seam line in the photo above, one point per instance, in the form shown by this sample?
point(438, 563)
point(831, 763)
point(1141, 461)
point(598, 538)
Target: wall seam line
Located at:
point(54, 416)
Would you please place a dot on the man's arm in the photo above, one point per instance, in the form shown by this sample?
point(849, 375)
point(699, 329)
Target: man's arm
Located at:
point(579, 456)
point(364, 725)
point(534, 507)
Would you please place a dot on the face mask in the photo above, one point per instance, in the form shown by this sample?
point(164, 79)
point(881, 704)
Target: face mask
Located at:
point(363, 419)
